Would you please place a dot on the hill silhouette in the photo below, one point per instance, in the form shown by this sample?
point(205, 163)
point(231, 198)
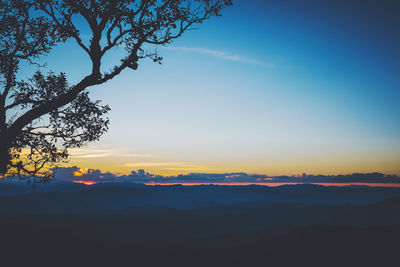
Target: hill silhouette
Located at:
point(76, 198)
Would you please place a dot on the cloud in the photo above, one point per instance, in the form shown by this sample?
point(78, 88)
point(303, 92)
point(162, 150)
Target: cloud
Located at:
point(94, 155)
point(149, 164)
point(219, 54)
point(137, 155)
point(173, 166)
point(79, 151)
point(102, 153)
point(65, 173)
point(74, 173)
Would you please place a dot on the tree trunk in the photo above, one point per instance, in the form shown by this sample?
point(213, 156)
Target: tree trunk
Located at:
point(4, 156)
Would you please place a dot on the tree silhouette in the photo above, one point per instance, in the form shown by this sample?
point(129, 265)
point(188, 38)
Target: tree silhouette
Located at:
point(42, 117)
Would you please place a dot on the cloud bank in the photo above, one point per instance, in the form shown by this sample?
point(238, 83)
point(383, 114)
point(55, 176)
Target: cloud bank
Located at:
point(141, 176)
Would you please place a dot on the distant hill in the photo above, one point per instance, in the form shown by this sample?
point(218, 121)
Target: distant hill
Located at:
point(113, 197)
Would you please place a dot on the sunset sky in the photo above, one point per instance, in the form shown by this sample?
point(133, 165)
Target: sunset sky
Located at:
point(275, 87)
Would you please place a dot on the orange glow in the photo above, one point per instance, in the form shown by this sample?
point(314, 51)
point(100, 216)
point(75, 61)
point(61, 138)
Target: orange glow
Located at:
point(85, 182)
point(77, 173)
point(279, 184)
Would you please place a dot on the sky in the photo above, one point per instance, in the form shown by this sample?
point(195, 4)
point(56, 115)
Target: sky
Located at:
point(274, 87)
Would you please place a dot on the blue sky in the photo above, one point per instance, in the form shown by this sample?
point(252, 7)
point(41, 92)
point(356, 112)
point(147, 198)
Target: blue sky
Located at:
point(276, 87)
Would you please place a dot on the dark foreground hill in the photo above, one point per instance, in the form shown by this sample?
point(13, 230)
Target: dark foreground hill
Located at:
point(70, 241)
point(218, 226)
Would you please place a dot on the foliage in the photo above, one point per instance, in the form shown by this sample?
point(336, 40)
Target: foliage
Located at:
point(46, 115)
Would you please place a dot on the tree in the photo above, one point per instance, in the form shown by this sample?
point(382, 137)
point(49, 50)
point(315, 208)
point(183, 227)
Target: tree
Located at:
point(31, 28)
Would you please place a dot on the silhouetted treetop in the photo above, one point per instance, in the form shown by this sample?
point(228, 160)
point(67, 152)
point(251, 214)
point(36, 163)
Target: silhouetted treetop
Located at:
point(129, 24)
point(31, 28)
